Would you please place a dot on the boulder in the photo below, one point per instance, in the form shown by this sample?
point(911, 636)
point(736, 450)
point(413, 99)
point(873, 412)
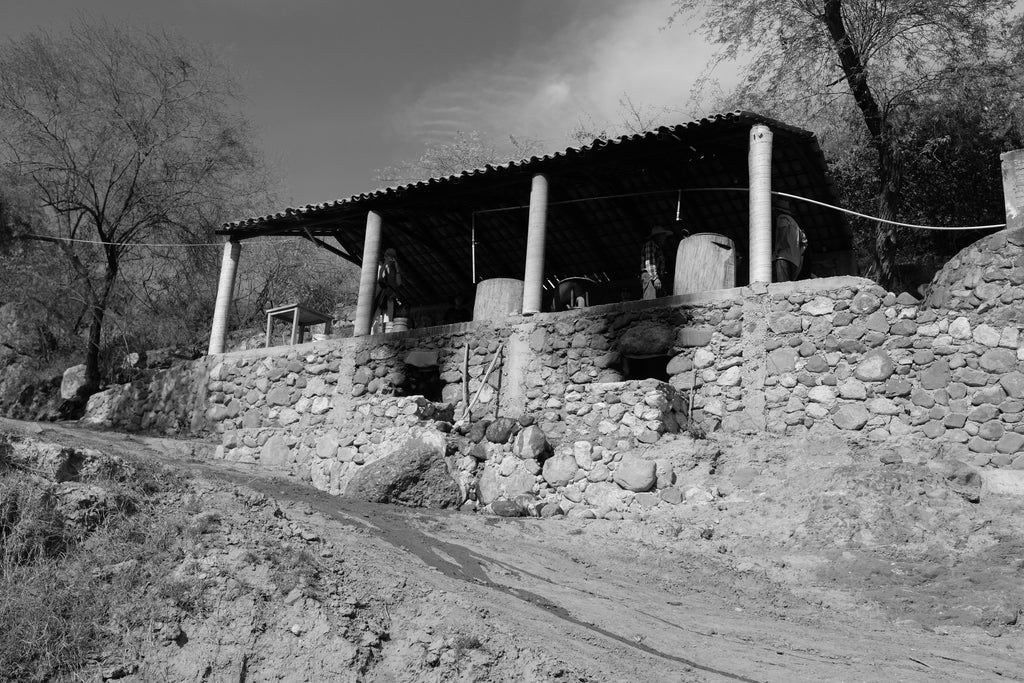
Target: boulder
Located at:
point(531, 444)
point(560, 470)
point(414, 474)
point(851, 417)
point(72, 382)
point(647, 338)
point(500, 430)
point(635, 474)
point(508, 508)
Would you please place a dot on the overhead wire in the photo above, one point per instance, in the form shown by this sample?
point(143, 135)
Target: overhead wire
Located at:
point(677, 191)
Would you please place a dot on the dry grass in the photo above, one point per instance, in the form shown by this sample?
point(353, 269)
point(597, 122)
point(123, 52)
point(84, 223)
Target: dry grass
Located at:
point(66, 597)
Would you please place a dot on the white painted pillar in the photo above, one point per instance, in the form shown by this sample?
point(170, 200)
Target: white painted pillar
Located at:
point(760, 169)
point(368, 275)
point(533, 278)
point(225, 294)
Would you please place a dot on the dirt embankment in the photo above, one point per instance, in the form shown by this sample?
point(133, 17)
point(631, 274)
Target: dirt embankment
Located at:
point(809, 559)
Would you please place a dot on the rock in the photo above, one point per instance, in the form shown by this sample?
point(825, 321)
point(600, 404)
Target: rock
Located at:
point(531, 443)
point(487, 487)
point(851, 417)
point(551, 510)
point(672, 496)
point(692, 336)
point(72, 381)
point(507, 508)
point(1013, 384)
point(999, 360)
point(864, 303)
point(559, 470)
point(275, 452)
point(415, 474)
point(500, 430)
point(478, 430)
point(647, 338)
point(890, 458)
point(782, 360)
point(875, 366)
point(819, 305)
point(606, 495)
point(635, 474)
point(936, 377)
point(785, 323)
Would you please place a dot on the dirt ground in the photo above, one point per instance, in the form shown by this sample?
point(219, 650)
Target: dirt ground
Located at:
point(812, 558)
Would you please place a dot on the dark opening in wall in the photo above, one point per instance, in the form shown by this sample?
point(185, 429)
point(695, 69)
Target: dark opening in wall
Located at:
point(425, 382)
point(645, 367)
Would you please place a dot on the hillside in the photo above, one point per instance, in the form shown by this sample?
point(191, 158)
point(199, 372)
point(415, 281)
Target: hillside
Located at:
point(801, 558)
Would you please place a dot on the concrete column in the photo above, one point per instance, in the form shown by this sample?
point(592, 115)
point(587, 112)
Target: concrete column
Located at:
point(533, 279)
point(1013, 188)
point(760, 168)
point(368, 275)
point(225, 293)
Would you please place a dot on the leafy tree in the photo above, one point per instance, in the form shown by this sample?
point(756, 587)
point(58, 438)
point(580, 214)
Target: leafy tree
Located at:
point(814, 60)
point(114, 138)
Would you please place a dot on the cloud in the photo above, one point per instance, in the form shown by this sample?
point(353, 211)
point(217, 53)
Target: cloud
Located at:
point(617, 52)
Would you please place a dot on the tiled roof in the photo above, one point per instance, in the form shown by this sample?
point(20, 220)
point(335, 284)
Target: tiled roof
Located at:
point(533, 163)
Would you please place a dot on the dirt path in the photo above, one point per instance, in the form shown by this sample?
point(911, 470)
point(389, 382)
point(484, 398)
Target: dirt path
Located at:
point(629, 600)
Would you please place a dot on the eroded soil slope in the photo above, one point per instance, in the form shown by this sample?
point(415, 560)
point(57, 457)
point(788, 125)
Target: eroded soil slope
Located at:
point(807, 559)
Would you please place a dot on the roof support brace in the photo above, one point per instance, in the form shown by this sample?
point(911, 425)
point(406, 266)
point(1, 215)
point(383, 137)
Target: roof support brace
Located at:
point(760, 169)
point(334, 250)
point(533, 279)
point(368, 275)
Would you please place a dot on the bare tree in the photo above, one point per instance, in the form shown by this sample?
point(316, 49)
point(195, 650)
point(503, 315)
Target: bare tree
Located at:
point(810, 58)
point(119, 137)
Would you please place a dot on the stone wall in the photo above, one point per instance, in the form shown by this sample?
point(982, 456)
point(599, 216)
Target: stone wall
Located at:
point(838, 353)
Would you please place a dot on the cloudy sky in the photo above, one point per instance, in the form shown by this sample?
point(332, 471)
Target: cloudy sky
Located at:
point(340, 88)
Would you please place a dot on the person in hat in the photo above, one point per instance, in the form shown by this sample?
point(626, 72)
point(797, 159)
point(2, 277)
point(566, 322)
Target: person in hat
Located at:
point(789, 243)
point(652, 262)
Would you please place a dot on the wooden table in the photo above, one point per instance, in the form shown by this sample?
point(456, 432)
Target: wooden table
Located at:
point(300, 317)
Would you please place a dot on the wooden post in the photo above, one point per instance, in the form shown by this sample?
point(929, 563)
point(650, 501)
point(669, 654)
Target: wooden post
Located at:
point(1013, 188)
point(760, 170)
point(533, 279)
point(368, 275)
point(225, 293)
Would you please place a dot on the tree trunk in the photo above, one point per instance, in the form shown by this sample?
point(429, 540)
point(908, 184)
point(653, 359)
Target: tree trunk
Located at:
point(890, 170)
point(890, 176)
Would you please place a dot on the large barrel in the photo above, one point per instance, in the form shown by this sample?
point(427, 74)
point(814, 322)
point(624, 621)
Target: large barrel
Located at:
point(704, 262)
point(498, 298)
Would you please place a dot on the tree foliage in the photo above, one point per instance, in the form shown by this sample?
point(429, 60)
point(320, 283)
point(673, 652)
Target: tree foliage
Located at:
point(821, 62)
point(111, 139)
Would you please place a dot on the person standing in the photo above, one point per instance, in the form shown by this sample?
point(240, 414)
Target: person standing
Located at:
point(652, 262)
point(790, 243)
point(389, 279)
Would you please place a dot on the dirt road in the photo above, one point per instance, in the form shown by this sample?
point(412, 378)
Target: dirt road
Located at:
point(805, 567)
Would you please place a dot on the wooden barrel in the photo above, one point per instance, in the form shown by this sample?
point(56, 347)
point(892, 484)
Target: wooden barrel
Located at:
point(704, 262)
point(498, 298)
point(399, 325)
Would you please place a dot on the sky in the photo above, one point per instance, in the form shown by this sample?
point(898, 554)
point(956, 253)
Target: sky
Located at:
point(337, 89)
